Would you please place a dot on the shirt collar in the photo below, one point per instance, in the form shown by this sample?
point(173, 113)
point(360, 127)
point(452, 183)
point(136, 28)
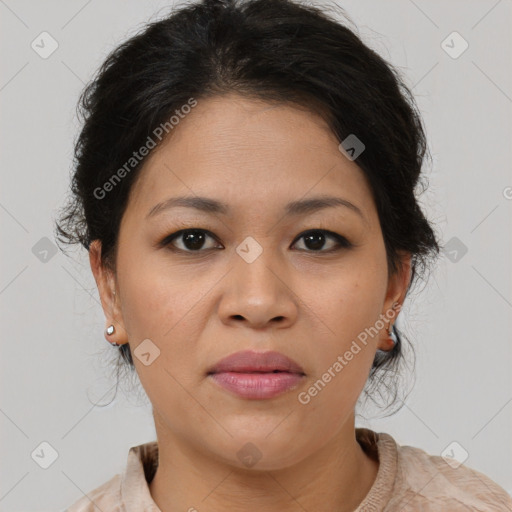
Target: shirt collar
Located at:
point(383, 447)
point(140, 467)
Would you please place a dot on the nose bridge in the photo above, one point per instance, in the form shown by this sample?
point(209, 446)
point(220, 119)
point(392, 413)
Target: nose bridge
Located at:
point(256, 288)
point(257, 266)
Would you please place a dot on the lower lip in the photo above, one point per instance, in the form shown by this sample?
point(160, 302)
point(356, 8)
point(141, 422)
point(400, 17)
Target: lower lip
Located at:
point(257, 386)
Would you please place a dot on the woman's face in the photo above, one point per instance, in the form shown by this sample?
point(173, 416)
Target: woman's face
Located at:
point(250, 279)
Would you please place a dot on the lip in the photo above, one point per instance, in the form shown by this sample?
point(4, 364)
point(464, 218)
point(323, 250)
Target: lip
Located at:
point(257, 375)
point(249, 361)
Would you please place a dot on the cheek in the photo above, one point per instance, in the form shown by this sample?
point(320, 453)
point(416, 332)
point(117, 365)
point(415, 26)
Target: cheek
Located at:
point(348, 309)
point(351, 301)
point(156, 297)
point(149, 310)
point(160, 304)
point(343, 356)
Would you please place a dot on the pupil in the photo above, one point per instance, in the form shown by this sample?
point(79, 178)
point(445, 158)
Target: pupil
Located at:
point(189, 241)
point(318, 241)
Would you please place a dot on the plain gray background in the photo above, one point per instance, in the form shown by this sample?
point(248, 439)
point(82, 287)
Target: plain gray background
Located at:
point(55, 360)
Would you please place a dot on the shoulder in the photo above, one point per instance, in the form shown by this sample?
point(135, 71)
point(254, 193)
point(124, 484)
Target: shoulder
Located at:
point(105, 497)
point(126, 489)
point(431, 482)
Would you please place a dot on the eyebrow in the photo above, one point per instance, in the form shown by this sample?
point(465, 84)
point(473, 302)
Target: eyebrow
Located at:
point(213, 206)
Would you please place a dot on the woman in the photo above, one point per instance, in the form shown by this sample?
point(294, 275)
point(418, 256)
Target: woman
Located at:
point(245, 186)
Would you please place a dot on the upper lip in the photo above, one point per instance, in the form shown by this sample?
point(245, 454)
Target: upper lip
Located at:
point(248, 361)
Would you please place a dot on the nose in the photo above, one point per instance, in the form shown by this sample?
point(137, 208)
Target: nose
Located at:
point(258, 294)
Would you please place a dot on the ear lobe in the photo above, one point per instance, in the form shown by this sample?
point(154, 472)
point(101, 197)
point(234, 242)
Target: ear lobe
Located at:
point(397, 290)
point(105, 282)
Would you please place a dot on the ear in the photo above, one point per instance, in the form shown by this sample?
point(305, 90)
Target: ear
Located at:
point(395, 296)
point(105, 281)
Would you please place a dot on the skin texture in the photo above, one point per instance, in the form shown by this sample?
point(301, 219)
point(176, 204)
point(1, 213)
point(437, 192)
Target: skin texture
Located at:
point(198, 307)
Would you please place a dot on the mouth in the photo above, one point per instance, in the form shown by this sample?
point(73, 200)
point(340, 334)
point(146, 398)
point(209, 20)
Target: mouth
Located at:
point(258, 385)
point(257, 375)
point(249, 361)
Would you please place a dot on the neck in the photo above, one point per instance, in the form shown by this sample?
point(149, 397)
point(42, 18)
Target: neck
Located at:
point(337, 477)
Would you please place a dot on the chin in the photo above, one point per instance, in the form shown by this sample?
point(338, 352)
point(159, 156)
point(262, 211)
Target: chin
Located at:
point(261, 449)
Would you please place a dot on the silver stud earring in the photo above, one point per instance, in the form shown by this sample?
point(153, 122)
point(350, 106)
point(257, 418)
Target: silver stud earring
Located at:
point(110, 330)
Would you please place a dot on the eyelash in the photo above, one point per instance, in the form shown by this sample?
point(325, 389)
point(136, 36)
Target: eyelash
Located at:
point(343, 243)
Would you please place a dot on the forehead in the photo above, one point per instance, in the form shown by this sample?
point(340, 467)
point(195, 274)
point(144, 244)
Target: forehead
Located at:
point(249, 153)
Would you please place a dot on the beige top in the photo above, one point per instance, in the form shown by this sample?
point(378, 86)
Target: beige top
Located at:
point(408, 480)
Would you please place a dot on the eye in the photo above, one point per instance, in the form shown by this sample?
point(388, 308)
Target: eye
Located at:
point(192, 240)
point(314, 240)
